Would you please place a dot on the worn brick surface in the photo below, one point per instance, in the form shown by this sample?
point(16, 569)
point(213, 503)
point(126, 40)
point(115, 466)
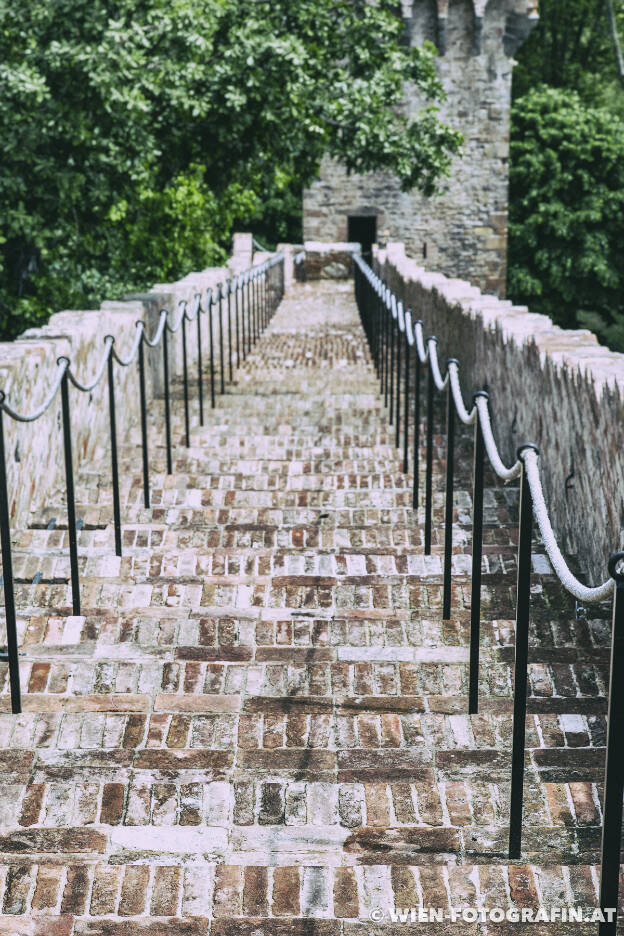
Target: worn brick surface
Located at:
point(258, 724)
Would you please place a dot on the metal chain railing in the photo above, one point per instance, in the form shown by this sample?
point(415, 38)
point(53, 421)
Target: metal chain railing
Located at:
point(393, 335)
point(256, 293)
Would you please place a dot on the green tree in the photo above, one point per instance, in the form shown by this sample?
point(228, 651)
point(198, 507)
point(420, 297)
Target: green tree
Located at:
point(570, 48)
point(566, 245)
point(135, 134)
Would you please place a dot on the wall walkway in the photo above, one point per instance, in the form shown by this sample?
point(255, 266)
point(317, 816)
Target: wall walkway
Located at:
point(258, 724)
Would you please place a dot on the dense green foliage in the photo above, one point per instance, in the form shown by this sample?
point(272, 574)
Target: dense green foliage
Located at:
point(135, 135)
point(570, 48)
point(566, 216)
point(567, 212)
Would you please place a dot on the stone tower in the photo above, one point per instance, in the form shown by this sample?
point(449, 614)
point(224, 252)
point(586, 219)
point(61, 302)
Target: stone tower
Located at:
point(463, 230)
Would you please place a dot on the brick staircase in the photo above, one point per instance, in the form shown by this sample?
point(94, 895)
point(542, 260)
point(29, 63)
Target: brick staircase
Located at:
point(258, 726)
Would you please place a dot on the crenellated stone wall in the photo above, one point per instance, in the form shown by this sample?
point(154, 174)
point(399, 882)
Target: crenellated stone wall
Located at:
point(557, 388)
point(463, 230)
point(34, 451)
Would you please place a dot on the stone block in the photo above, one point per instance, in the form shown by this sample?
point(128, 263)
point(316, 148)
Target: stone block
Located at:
point(329, 261)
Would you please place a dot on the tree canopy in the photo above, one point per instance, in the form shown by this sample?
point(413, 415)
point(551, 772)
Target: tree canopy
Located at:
point(566, 211)
point(135, 134)
point(570, 48)
point(566, 255)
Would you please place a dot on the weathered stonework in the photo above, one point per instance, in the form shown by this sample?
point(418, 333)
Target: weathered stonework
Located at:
point(329, 261)
point(463, 230)
point(558, 388)
point(27, 367)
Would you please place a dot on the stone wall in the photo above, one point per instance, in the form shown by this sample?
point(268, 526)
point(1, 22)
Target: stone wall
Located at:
point(34, 451)
point(329, 261)
point(557, 388)
point(463, 230)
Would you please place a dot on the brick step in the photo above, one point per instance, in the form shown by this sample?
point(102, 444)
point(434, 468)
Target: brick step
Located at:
point(559, 667)
point(205, 464)
point(142, 800)
point(352, 539)
point(161, 630)
point(109, 689)
point(407, 786)
point(232, 478)
point(552, 624)
point(196, 566)
point(279, 900)
point(157, 542)
point(369, 438)
point(361, 731)
point(259, 500)
point(309, 845)
point(97, 510)
point(322, 517)
point(430, 672)
point(283, 593)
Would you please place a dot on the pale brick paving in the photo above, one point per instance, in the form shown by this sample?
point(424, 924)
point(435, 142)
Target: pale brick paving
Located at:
point(258, 725)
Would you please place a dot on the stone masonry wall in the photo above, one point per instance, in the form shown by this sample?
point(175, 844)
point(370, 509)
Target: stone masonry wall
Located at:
point(34, 451)
point(557, 388)
point(329, 261)
point(463, 230)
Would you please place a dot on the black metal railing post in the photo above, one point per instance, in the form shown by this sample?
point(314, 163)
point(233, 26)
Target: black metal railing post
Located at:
point(114, 461)
point(249, 314)
point(364, 307)
point(429, 455)
point(406, 392)
point(417, 382)
point(187, 425)
point(167, 400)
point(252, 311)
point(144, 440)
point(200, 376)
point(260, 303)
point(374, 304)
point(393, 328)
point(382, 338)
point(229, 313)
point(71, 497)
point(387, 323)
point(7, 578)
point(397, 441)
point(241, 289)
point(523, 606)
point(237, 326)
point(212, 369)
point(367, 301)
point(380, 344)
point(221, 356)
point(448, 504)
point(477, 558)
point(614, 768)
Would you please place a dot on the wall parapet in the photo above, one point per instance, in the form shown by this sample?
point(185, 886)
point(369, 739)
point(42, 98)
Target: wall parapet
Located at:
point(34, 451)
point(557, 388)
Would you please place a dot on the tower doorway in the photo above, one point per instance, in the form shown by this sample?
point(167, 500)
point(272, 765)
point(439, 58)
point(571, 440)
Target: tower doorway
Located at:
point(362, 229)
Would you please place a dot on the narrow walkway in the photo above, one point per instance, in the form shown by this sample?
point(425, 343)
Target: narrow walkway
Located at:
point(258, 726)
